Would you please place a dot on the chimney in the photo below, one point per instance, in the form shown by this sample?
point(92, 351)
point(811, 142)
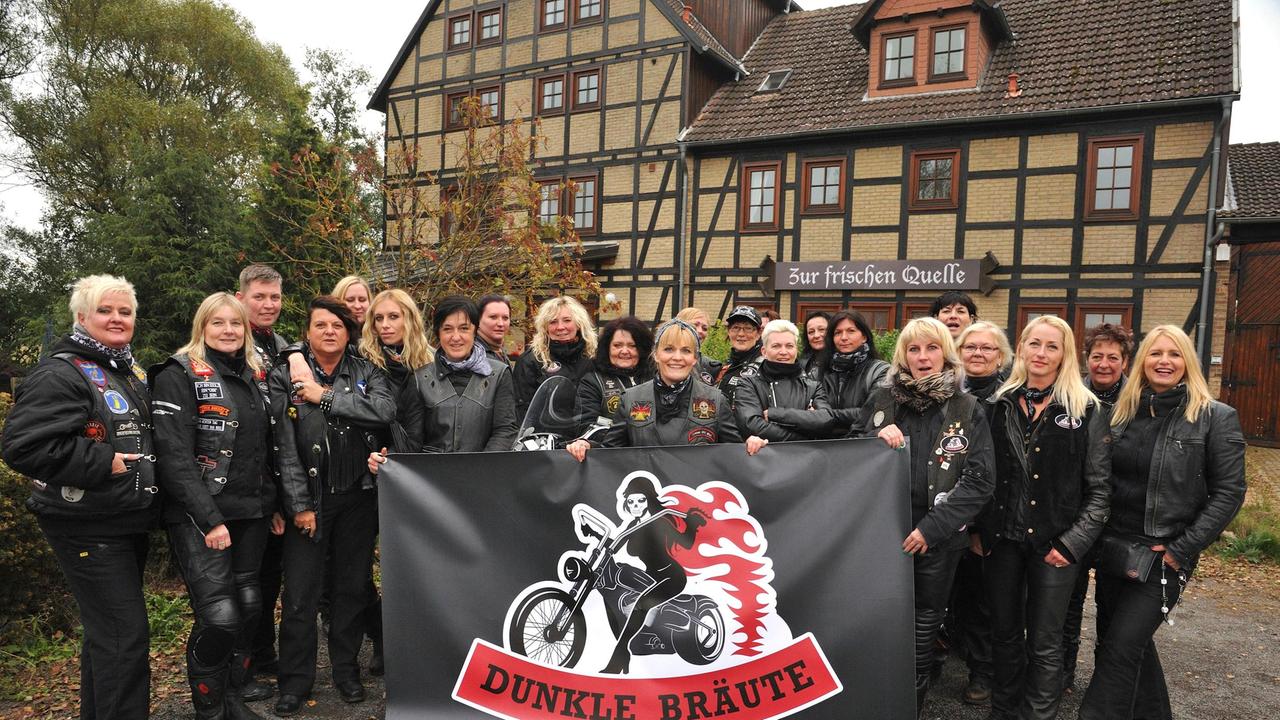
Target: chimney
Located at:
point(687, 13)
point(1013, 91)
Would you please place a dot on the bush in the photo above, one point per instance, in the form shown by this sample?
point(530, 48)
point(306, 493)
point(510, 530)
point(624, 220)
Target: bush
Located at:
point(885, 342)
point(717, 346)
point(1254, 534)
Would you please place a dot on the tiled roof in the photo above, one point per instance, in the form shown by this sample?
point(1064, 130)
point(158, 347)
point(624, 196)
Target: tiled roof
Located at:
point(1071, 55)
point(1254, 192)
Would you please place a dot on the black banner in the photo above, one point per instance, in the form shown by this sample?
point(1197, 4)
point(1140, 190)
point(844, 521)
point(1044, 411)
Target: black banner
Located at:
point(656, 583)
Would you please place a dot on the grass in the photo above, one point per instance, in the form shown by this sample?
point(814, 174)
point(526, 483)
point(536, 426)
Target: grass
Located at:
point(1254, 534)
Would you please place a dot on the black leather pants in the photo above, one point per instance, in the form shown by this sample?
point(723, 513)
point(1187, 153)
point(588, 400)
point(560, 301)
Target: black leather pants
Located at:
point(223, 589)
point(969, 619)
point(1028, 600)
point(934, 572)
point(1071, 628)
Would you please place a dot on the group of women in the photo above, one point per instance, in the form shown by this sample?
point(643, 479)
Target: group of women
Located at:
point(1026, 471)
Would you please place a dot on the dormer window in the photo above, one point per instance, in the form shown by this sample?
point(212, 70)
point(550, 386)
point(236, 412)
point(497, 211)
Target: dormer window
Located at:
point(774, 81)
point(948, 53)
point(899, 59)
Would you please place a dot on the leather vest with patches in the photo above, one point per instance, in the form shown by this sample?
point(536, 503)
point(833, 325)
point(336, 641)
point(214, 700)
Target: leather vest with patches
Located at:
point(611, 389)
point(123, 423)
point(697, 427)
point(217, 420)
point(949, 450)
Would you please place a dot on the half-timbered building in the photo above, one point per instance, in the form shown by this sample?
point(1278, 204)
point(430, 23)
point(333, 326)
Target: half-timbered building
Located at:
point(1071, 152)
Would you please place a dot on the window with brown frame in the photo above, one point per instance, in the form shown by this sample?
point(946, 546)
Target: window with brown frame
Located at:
point(1089, 316)
point(551, 95)
point(549, 196)
point(447, 191)
point(585, 198)
point(935, 178)
point(460, 32)
point(490, 27)
point(1114, 175)
point(880, 316)
point(586, 90)
point(587, 11)
point(760, 191)
point(1031, 311)
point(453, 117)
point(911, 311)
point(491, 101)
point(823, 186)
point(554, 15)
point(948, 54)
point(899, 52)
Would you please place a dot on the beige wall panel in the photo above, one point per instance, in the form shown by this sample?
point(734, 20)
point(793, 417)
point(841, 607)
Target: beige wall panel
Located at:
point(646, 211)
point(517, 100)
point(1086, 293)
point(519, 53)
point(616, 217)
point(431, 70)
point(489, 60)
point(656, 75)
point(552, 133)
point(1047, 246)
point(453, 149)
point(709, 301)
point(588, 39)
point(998, 242)
point(619, 8)
point(552, 47)
point(616, 179)
point(657, 27)
point(1186, 245)
point(620, 82)
point(429, 153)
point(791, 168)
point(624, 34)
point(1051, 197)
point(992, 200)
point(821, 238)
point(661, 251)
point(584, 133)
point(406, 117)
point(1109, 244)
point(457, 65)
point(880, 162)
point(992, 308)
point(667, 125)
point(874, 246)
point(1031, 294)
point(993, 154)
point(432, 38)
point(647, 299)
point(755, 247)
point(519, 19)
point(1167, 186)
point(728, 213)
point(1166, 307)
point(931, 236)
point(1184, 140)
point(456, 5)
point(719, 253)
point(651, 172)
point(877, 205)
point(711, 173)
point(1053, 150)
point(404, 78)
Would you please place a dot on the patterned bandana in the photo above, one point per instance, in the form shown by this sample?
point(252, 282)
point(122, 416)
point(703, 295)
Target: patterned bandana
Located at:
point(920, 395)
point(81, 336)
point(844, 362)
point(669, 396)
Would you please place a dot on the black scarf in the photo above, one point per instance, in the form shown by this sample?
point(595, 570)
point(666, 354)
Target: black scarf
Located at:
point(1109, 395)
point(671, 398)
point(777, 371)
point(982, 386)
point(567, 352)
point(233, 362)
point(738, 357)
point(1156, 404)
point(922, 394)
point(844, 362)
point(392, 356)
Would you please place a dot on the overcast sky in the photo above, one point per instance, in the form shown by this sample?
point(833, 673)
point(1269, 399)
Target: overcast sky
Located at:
point(371, 31)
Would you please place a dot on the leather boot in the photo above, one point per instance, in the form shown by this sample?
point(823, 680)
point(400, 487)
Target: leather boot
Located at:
point(922, 689)
point(207, 694)
point(238, 677)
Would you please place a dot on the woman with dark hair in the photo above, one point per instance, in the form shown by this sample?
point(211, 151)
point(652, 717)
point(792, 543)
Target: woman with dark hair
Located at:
point(951, 468)
point(326, 427)
point(851, 368)
point(673, 408)
point(815, 341)
point(1177, 480)
point(80, 428)
point(462, 402)
point(621, 362)
point(212, 429)
point(495, 321)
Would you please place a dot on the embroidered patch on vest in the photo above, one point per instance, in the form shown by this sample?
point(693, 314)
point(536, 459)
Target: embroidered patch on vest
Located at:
point(878, 419)
point(206, 461)
point(704, 409)
point(953, 444)
point(612, 403)
point(208, 391)
point(72, 494)
point(95, 431)
point(200, 369)
point(1067, 422)
point(211, 425)
point(292, 413)
point(116, 402)
point(215, 409)
point(92, 371)
point(127, 429)
point(701, 436)
point(641, 411)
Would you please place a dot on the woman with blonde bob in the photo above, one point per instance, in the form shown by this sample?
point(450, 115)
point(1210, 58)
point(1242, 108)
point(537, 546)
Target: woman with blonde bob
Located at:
point(354, 292)
point(675, 407)
point(986, 355)
point(564, 341)
point(782, 402)
point(212, 432)
point(951, 467)
point(395, 338)
point(1051, 448)
point(80, 427)
point(1177, 480)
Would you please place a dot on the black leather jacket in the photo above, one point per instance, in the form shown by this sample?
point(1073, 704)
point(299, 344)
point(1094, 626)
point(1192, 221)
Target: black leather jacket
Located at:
point(361, 398)
point(1053, 489)
point(437, 418)
point(848, 391)
point(797, 407)
point(529, 374)
point(1196, 482)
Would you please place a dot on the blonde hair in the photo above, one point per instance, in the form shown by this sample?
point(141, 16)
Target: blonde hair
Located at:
point(1002, 341)
point(1198, 396)
point(547, 311)
point(1069, 389)
point(343, 285)
point(87, 293)
point(416, 351)
point(777, 326)
point(691, 314)
point(926, 328)
point(684, 336)
point(194, 348)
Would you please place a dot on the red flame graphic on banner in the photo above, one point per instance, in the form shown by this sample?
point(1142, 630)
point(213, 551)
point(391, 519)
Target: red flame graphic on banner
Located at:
point(728, 551)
